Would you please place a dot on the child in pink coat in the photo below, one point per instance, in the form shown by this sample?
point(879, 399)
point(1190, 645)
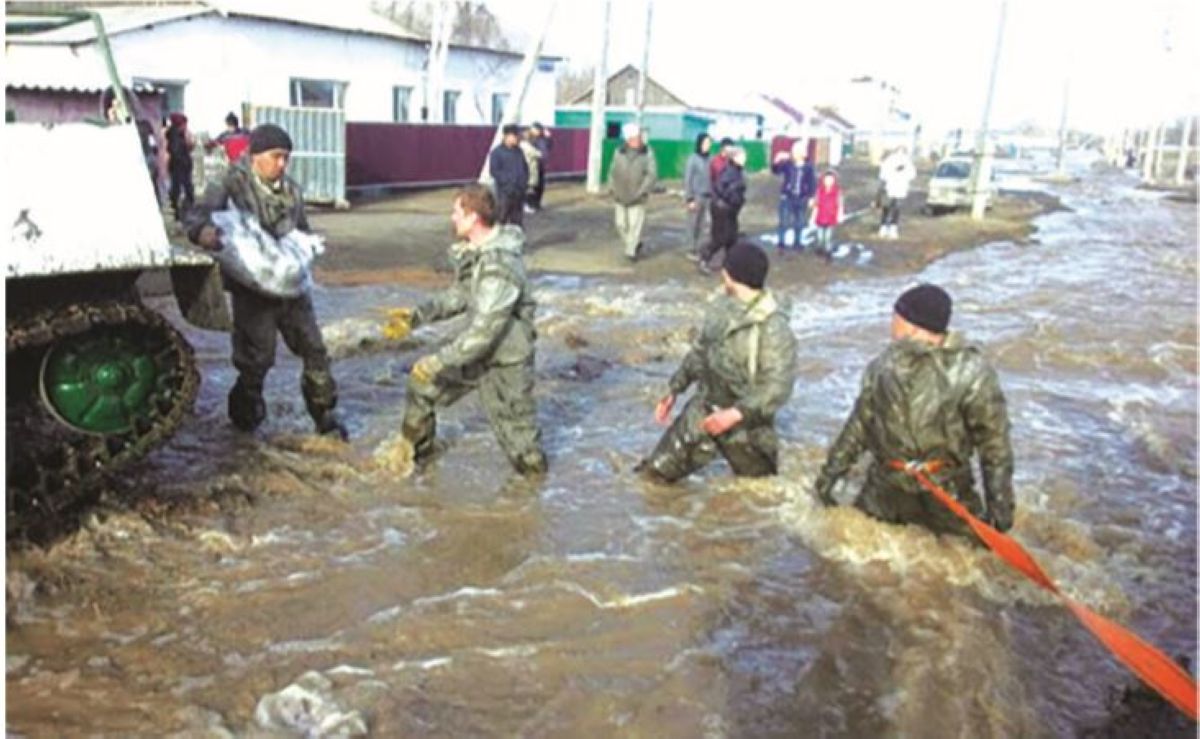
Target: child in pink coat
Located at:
point(828, 210)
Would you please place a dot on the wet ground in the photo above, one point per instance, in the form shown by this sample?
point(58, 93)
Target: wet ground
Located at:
point(283, 580)
point(404, 238)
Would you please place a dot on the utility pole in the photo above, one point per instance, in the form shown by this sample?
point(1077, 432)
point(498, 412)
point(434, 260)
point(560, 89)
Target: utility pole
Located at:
point(599, 105)
point(1184, 149)
point(983, 156)
point(435, 65)
point(1153, 142)
point(516, 97)
point(1062, 125)
point(641, 98)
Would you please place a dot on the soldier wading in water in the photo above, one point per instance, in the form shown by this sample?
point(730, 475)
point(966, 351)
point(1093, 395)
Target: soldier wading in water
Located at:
point(257, 184)
point(929, 400)
point(744, 363)
point(494, 353)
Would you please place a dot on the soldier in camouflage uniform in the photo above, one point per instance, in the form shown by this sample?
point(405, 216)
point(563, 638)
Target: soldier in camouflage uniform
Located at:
point(744, 362)
point(930, 397)
point(257, 185)
point(495, 351)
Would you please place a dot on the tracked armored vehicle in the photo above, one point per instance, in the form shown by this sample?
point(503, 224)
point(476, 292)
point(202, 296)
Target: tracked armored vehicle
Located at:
point(95, 377)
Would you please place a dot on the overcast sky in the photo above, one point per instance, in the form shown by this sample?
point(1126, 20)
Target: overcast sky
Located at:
point(1129, 61)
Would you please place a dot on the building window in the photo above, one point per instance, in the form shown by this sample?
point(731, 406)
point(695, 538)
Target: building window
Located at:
point(318, 93)
point(400, 99)
point(172, 92)
point(450, 106)
point(499, 100)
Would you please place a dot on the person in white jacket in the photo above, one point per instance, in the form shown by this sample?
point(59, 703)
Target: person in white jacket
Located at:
point(897, 172)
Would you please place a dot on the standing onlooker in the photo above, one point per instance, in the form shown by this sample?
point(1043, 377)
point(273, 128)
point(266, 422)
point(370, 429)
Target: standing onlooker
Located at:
point(897, 173)
point(234, 139)
point(631, 179)
point(719, 161)
point(799, 184)
point(828, 212)
point(533, 161)
point(510, 173)
point(150, 154)
point(728, 197)
point(541, 140)
point(179, 164)
point(697, 190)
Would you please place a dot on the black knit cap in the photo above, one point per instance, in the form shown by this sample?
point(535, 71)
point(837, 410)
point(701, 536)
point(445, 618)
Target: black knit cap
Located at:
point(927, 306)
point(747, 265)
point(269, 136)
point(511, 128)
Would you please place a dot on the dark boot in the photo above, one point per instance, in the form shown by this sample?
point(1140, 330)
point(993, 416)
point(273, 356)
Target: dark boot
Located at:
point(320, 397)
point(247, 409)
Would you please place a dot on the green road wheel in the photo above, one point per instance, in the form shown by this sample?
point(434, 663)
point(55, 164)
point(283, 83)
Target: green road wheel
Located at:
point(103, 382)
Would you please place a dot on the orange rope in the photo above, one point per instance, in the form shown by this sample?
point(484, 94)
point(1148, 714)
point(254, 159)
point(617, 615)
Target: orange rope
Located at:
point(1150, 664)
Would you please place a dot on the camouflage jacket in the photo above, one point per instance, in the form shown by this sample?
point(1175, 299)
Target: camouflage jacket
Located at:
point(745, 357)
point(279, 208)
point(491, 288)
point(922, 403)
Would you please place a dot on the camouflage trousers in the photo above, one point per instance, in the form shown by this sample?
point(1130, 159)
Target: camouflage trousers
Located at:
point(507, 396)
point(891, 496)
point(752, 451)
point(257, 319)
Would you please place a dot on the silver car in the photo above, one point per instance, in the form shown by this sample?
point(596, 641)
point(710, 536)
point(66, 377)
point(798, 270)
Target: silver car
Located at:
point(950, 187)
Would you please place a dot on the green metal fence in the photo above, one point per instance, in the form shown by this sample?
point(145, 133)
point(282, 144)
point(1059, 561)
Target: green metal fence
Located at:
point(672, 156)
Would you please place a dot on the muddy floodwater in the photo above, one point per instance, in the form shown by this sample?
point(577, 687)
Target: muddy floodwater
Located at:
point(286, 585)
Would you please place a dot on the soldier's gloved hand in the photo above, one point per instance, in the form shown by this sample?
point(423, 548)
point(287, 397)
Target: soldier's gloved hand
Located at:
point(427, 368)
point(662, 411)
point(399, 323)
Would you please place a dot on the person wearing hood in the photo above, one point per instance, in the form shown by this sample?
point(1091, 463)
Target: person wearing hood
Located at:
point(828, 211)
point(179, 164)
point(494, 353)
point(631, 177)
point(744, 366)
point(799, 184)
point(509, 171)
point(257, 184)
point(697, 192)
point(728, 198)
point(929, 401)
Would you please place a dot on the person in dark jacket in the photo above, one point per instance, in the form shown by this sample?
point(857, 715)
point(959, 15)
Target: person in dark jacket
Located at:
point(718, 162)
point(510, 173)
point(728, 198)
point(697, 192)
point(744, 363)
point(929, 400)
point(179, 165)
point(799, 184)
point(541, 140)
point(258, 185)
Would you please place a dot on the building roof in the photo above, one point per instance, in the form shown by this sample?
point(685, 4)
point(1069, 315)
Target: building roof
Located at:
point(832, 115)
point(348, 17)
point(701, 97)
point(71, 68)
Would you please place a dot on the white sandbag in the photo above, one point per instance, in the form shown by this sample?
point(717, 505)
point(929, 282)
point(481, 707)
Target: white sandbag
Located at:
point(255, 259)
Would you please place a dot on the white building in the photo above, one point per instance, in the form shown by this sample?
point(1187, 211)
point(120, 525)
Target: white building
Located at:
point(211, 57)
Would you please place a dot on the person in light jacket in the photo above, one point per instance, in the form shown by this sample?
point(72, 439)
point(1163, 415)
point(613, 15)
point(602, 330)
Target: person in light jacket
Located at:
point(697, 191)
point(632, 177)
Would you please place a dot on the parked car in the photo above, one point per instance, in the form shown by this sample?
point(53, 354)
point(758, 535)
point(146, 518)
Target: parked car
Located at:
point(950, 187)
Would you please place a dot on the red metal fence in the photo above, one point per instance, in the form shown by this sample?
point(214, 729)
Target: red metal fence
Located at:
point(397, 155)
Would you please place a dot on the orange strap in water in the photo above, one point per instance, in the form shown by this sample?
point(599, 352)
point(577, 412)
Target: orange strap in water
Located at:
point(1151, 665)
